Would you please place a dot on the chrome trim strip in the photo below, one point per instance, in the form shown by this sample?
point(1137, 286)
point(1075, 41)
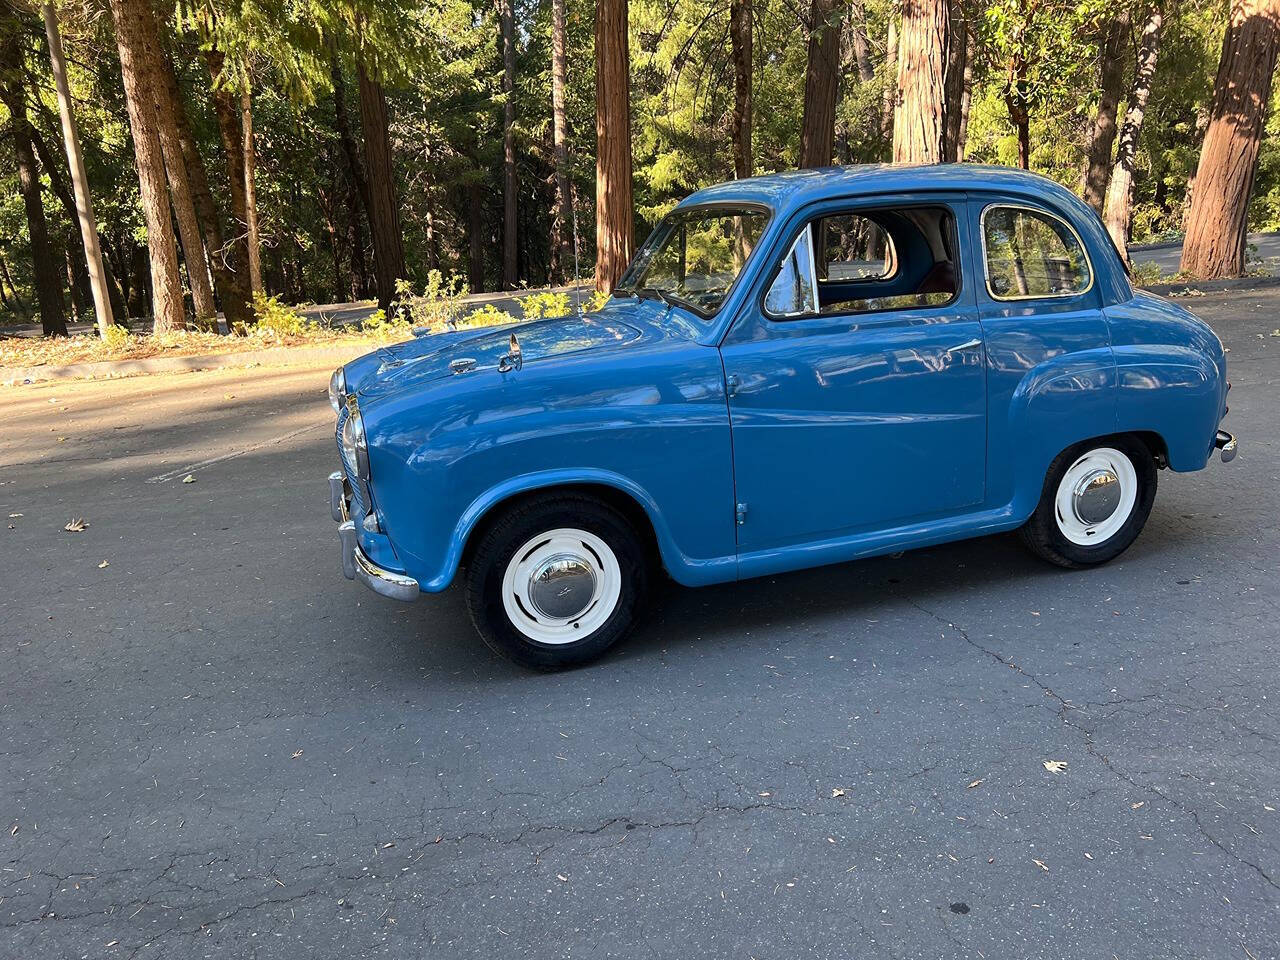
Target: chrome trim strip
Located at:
point(986, 274)
point(395, 586)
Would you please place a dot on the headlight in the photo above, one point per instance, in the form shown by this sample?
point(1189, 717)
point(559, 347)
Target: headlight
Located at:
point(354, 444)
point(338, 389)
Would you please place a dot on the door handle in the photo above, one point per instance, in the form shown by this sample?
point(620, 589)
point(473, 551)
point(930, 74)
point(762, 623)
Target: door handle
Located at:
point(967, 345)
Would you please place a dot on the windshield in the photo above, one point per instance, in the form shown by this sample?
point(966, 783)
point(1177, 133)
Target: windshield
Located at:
point(693, 257)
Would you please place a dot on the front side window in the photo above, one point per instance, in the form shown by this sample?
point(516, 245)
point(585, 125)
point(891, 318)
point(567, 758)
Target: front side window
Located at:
point(693, 257)
point(1032, 254)
point(853, 248)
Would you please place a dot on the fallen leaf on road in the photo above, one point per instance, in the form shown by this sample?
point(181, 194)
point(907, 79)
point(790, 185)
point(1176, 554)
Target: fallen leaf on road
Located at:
point(14, 831)
point(113, 943)
point(974, 784)
point(189, 479)
point(1055, 766)
point(1088, 856)
point(296, 754)
point(103, 565)
point(1135, 806)
point(76, 525)
point(836, 792)
point(62, 439)
point(14, 516)
point(1040, 864)
point(562, 878)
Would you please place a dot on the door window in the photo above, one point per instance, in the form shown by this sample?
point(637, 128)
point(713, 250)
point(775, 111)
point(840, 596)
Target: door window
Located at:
point(1031, 254)
point(867, 262)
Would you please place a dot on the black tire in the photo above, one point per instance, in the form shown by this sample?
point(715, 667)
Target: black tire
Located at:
point(1043, 534)
point(512, 530)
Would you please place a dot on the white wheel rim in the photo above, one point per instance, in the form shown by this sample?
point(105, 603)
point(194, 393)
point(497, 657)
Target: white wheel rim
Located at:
point(1088, 507)
point(561, 586)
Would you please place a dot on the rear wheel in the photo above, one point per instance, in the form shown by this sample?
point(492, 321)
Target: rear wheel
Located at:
point(556, 581)
point(1095, 501)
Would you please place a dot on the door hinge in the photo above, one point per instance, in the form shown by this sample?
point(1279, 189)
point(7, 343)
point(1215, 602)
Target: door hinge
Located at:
point(741, 513)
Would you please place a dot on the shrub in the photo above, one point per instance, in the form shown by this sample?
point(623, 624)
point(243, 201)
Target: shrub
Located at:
point(439, 304)
point(1145, 274)
point(488, 316)
point(276, 319)
point(546, 304)
point(116, 337)
point(597, 300)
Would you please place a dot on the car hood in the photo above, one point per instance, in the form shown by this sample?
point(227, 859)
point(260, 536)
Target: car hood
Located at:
point(428, 357)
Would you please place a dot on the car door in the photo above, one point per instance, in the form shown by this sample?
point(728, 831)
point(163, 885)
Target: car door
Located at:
point(857, 404)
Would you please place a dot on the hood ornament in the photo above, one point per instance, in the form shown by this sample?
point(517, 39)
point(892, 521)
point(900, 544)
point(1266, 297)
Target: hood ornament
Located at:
point(512, 359)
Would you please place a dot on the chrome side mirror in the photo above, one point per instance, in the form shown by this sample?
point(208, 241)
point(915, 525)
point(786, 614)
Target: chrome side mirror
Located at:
point(512, 359)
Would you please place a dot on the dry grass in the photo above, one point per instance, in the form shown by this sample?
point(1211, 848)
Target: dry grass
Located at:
point(86, 348)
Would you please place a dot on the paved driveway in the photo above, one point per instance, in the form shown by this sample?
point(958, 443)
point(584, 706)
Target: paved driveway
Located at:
point(211, 745)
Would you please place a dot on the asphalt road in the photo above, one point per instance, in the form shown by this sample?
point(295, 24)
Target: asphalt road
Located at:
point(1168, 256)
point(212, 745)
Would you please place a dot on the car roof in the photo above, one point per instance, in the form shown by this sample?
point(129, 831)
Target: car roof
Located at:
point(793, 188)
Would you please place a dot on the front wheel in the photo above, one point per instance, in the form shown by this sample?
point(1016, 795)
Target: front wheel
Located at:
point(1095, 501)
point(556, 581)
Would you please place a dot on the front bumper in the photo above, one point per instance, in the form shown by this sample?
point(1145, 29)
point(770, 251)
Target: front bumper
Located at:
point(356, 564)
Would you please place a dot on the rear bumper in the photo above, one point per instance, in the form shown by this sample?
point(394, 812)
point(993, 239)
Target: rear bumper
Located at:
point(356, 564)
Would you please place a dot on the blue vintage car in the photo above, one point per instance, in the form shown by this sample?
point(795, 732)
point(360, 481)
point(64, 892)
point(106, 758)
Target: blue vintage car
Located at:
point(796, 369)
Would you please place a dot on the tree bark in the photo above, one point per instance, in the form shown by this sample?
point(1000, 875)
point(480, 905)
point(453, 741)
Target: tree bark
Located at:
point(560, 240)
point(82, 209)
point(1118, 208)
point(475, 236)
point(236, 248)
point(821, 83)
point(510, 183)
point(956, 82)
point(193, 253)
point(615, 224)
point(1015, 99)
point(919, 121)
point(1218, 219)
point(861, 46)
point(162, 248)
point(889, 105)
point(1097, 162)
point(966, 92)
point(251, 193)
point(53, 320)
point(384, 214)
point(740, 130)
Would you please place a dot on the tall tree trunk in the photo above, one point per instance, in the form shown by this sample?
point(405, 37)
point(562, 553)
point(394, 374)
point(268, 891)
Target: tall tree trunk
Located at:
point(235, 250)
point(889, 105)
point(821, 83)
point(919, 121)
point(475, 236)
point(82, 209)
point(966, 91)
point(510, 184)
point(615, 224)
point(251, 193)
point(956, 73)
point(1118, 207)
point(560, 239)
point(176, 168)
point(1218, 219)
point(162, 248)
point(384, 214)
point(44, 267)
point(1097, 160)
point(193, 252)
point(230, 278)
point(740, 131)
point(861, 46)
point(1016, 100)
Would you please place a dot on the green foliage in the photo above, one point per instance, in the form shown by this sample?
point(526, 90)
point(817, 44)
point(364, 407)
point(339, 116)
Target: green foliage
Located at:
point(545, 304)
point(116, 337)
point(440, 303)
point(487, 316)
point(274, 318)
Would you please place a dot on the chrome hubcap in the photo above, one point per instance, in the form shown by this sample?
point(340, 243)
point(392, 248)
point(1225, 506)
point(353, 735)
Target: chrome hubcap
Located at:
point(562, 586)
point(1096, 496)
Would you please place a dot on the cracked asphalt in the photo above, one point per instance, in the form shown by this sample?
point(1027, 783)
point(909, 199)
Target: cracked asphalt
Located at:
point(212, 745)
